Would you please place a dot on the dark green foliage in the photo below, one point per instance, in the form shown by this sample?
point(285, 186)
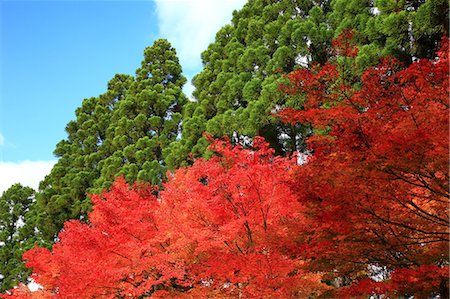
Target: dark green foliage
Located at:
point(403, 29)
point(63, 191)
point(16, 235)
point(146, 121)
point(120, 133)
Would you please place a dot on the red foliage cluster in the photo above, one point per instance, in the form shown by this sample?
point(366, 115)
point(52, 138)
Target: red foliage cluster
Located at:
point(367, 214)
point(235, 220)
point(376, 186)
point(223, 227)
point(110, 255)
point(345, 44)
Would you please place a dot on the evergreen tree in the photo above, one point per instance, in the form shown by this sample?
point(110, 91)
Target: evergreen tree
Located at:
point(64, 191)
point(15, 234)
point(237, 90)
point(120, 133)
point(404, 29)
point(146, 121)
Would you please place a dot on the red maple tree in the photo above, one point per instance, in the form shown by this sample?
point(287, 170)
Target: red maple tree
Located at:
point(223, 227)
point(376, 183)
point(107, 257)
point(235, 220)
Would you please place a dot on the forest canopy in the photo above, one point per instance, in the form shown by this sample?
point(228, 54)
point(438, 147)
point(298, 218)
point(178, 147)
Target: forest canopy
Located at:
point(313, 163)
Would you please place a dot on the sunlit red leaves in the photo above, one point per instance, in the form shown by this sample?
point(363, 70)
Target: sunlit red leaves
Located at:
point(235, 218)
point(107, 257)
point(345, 44)
point(223, 227)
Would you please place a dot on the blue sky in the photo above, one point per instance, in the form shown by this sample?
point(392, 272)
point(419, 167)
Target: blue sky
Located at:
point(53, 54)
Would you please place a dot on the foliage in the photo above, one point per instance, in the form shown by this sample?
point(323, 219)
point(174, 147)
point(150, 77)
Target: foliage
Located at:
point(365, 215)
point(223, 227)
point(145, 121)
point(376, 185)
point(250, 224)
point(375, 132)
point(236, 92)
point(15, 234)
point(234, 220)
point(121, 132)
point(106, 255)
point(62, 193)
point(132, 129)
point(23, 292)
point(406, 30)
point(237, 89)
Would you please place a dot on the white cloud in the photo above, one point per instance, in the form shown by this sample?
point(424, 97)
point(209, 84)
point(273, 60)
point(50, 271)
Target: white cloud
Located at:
point(188, 88)
point(27, 173)
point(191, 25)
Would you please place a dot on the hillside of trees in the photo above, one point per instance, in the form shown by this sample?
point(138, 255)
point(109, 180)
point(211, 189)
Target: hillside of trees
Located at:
point(313, 163)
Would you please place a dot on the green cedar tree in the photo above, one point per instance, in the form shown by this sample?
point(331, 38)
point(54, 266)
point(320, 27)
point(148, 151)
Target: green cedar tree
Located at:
point(120, 133)
point(15, 234)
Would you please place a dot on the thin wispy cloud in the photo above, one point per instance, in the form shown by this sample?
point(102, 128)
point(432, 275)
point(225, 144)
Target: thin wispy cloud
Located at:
point(191, 25)
point(27, 173)
point(2, 139)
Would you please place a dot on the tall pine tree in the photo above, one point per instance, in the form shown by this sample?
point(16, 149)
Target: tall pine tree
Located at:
point(146, 121)
point(238, 87)
point(120, 133)
point(16, 236)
